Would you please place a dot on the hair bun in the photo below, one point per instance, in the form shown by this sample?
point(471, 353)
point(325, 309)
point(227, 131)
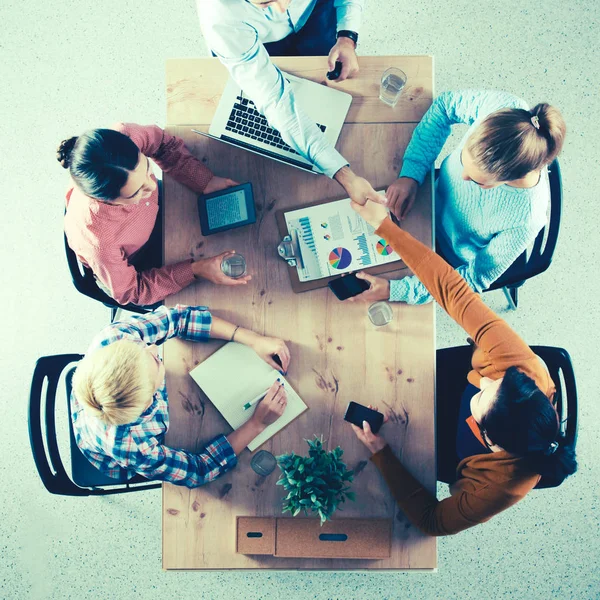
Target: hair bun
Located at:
point(63, 154)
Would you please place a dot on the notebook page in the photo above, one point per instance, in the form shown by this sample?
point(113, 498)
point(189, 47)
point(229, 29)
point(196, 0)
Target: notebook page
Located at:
point(234, 375)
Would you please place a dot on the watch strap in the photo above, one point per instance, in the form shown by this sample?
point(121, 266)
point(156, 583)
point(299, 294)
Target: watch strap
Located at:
point(349, 34)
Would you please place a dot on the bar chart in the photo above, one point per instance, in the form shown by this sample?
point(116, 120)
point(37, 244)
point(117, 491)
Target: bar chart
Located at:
point(307, 233)
point(363, 247)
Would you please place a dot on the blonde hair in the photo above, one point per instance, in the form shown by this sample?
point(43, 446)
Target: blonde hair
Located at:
point(115, 383)
point(509, 145)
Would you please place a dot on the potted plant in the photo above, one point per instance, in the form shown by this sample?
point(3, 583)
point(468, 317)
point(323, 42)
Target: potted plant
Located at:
point(318, 482)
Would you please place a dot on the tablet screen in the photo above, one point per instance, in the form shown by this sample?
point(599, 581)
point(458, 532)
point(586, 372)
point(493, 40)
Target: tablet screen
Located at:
point(226, 209)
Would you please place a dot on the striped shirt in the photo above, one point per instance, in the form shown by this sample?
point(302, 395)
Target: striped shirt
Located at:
point(480, 231)
point(138, 447)
point(106, 237)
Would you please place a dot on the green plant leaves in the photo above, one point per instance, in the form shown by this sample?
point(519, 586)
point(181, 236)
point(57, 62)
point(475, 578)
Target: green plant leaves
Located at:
point(316, 482)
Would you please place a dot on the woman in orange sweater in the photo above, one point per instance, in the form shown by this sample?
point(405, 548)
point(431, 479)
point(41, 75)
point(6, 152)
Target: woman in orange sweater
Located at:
point(512, 436)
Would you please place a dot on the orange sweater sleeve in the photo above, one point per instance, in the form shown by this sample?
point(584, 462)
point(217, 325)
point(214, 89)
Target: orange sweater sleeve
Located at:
point(475, 502)
point(498, 346)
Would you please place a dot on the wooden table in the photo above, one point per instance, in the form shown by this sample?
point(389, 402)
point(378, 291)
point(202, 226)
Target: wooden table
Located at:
point(337, 355)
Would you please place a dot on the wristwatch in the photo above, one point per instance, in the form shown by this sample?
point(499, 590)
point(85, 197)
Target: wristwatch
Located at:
point(349, 34)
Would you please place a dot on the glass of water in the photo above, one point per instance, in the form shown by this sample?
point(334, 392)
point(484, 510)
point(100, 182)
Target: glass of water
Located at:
point(263, 463)
point(392, 83)
point(380, 313)
point(234, 266)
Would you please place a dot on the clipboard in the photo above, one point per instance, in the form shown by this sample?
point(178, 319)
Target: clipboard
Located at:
point(305, 286)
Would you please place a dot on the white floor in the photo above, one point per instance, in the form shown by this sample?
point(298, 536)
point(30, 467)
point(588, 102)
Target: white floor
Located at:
point(73, 65)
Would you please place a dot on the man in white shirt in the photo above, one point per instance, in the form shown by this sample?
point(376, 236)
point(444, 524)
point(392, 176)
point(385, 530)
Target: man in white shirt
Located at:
point(242, 34)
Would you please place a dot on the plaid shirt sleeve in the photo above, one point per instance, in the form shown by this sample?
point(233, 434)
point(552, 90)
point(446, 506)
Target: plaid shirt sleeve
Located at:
point(158, 462)
point(188, 322)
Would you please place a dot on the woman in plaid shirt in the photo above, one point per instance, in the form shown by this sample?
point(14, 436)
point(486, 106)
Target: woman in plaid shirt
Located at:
point(120, 403)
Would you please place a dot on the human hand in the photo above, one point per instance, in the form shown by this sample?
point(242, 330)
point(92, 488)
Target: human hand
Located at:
point(267, 347)
point(401, 196)
point(373, 442)
point(372, 212)
point(379, 290)
point(219, 183)
point(358, 188)
point(344, 51)
point(210, 269)
point(271, 407)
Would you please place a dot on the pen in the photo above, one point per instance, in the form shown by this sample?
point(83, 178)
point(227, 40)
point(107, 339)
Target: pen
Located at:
point(256, 400)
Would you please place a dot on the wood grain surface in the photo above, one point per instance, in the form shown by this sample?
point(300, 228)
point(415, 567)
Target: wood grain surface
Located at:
point(337, 356)
point(195, 85)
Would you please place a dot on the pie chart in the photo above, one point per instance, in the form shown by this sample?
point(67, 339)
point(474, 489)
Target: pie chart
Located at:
point(383, 248)
point(340, 258)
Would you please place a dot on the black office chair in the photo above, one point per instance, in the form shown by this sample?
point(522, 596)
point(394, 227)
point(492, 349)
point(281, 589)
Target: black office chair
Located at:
point(452, 366)
point(85, 283)
point(86, 479)
point(530, 264)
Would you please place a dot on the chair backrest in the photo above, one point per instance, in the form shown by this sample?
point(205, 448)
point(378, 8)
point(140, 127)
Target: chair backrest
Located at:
point(453, 365)
point(530, 264)
point(45, 447)
point(85, 283)
point(560, 367)
point(44, 444)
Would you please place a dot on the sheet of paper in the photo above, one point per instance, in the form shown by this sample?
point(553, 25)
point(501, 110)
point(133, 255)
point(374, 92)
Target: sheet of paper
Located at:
point(334, 240)
point(235, 375)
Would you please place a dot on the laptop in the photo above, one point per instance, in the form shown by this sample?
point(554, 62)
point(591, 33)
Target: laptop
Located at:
point(237, 122)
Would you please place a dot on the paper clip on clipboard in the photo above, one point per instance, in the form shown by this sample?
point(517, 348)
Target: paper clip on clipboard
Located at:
point(289, 249)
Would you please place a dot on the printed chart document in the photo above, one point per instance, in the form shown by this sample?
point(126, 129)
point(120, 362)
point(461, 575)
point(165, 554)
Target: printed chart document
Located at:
point(235, 375)
point(334, 239)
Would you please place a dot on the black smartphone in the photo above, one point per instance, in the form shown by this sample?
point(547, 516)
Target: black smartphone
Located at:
point(357, 413)
point(348, 286)
point(337, 71)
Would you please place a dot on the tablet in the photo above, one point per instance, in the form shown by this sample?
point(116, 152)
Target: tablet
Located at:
point(226, 209)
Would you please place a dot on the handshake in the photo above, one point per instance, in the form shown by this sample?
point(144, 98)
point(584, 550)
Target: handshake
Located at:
point(399, 197)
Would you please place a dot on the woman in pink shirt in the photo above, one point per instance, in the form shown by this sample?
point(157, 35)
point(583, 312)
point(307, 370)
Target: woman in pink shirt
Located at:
point(112, 207)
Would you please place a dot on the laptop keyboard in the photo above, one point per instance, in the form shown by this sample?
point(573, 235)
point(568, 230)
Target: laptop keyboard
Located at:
point(247, 121)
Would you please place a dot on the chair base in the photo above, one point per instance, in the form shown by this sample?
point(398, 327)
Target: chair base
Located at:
point(512, 295)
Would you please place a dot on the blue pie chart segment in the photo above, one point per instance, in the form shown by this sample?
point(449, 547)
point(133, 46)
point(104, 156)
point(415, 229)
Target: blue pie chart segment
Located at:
point(340, 258)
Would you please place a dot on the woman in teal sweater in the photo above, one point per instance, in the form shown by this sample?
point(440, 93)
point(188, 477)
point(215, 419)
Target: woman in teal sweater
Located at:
point(492, 193)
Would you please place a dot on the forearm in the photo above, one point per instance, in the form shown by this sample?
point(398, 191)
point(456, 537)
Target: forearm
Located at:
point(412, 291)
point(242, 436)
point(273, 96)
point(143, 288)
point(344, 176)
point(174, 158)
point(426, 142)
point(451, 291)
point(169, 153)
point(189, 469)
point(224, 330)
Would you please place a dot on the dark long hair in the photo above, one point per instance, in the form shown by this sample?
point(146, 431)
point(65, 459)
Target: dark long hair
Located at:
point(523, 421)
point(99, 161)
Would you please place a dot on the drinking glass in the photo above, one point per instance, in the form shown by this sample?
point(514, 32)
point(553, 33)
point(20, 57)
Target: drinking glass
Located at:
point(263, 463)
point(392, 83)
point(380, 313)
point(234, 266)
